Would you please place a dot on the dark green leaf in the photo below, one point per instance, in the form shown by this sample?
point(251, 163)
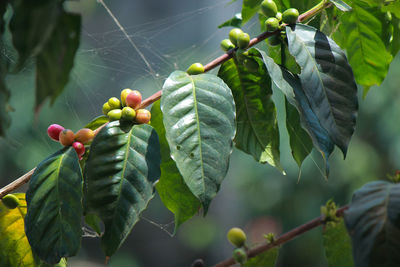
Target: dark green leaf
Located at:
point(97, 122)
point(341, 5)
point(236, 22)
point(94, 222)
point(249, 9)
point(31, 25)
point(337, 245)
point(257, 132)
point(5, 119)
point(395, 43)
point(3, 9)
point(54, 198)
point(199, 120)
point(171, 187)
point(373, 222)
point(327, 81)
point(123, 163)
point(56, 60)
point(265, 259)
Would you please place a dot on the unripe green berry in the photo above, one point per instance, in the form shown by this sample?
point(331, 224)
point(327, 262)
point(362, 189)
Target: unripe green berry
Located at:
point(128, 114)
point(278, 16)
point(114, 103)
point(272, 24)
point(290, 16)
point(243, 40)
point(274, 40)
point(239, 255)
point(269, 8)
point(195, 68)
point(234, 34)
point(124, 94)
point(226, 45)
point(114, 114)
point(236, 236)
point(66, 137)
point(106, 108)
point(10, 201)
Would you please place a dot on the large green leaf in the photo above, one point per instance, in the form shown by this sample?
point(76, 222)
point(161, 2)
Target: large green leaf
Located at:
point(249, 9)
point(265, 259)
point(97, 122)
point(199, 120)
point(56, 60)
point(31, 25)
point(393, 7)
point(123, 163)
point(257, 131)
point(337, 245)
point(373, 223)
point(171, 187)
point(54, 198)
point(360, 33)
point(327, 81)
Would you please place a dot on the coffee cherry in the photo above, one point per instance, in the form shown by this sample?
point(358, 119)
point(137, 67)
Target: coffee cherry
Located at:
point(84, 135)
point(272, 24)
point(227, 45)
point(239, 255)
point(269, 8)
point(114, 114)
point(143, 116)
point(278, 16)
point(106, 108)
point(234, 34)
point(243, 40)
point(79, 148)
point(124, 94)
point(236, 236)
point(290, 16)
point(54, 131)
point(274, 40)
point(128, 114)
point(10, 201)
point(114, 103)
point(66, 137)
point(196, 68)
point(133, 99)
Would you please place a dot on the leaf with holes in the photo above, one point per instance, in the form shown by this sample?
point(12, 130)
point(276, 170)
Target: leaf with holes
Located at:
point(199, 119)
point(373, 223)
point(327, 81)
point(257, 130)
point(54, 198)
point(265, 259)
point(123, 163)
point(337, 244)
point(171, 187)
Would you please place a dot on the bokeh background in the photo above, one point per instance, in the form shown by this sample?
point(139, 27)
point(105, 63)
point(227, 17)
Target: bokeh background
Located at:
point(171, 35)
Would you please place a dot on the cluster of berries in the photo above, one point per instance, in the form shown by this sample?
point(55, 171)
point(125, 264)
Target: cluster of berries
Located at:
point(68, 138)
point(127, 108)
point(238, 238)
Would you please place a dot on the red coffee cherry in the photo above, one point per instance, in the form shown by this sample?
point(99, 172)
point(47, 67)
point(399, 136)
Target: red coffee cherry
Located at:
point(54, 131)
point(133, 99)
point(79, 148)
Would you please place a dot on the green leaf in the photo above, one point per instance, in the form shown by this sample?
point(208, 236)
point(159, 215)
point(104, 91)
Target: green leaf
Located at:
point(265, 259)
point(393, 7)
point(327, 81)
point(54, 198)
point(94, 222)
point(56, 60)
point(373, 223)
point(3, 9)
point(341, 5)
point(257, 132)
point(395, 43)
point(5, 119)
point(337, 245)
point(123, 163)
point(199, 120)
point(249, 9)
point(236, 22)
point(360, 33)
point(171, 187)
point(41, 16)
point(97, 122)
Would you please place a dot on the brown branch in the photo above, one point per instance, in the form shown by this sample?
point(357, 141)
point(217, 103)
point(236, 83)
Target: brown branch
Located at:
point(284, 238)
point(16, 183)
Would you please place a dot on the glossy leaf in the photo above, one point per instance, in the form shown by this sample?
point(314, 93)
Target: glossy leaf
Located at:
point(249, 9)
point(236, 22)
point(373, 223)
point(97, 122)
point(341, 5)
point(327, 81)
point(123, 163)
point(257, 131)
point(199, 120)
point(56, 60)
point(265, 259)
point(337, 244)
point(54, 198)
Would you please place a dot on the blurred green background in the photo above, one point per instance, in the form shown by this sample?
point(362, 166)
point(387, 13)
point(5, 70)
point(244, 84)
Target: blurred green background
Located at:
point(172, 35)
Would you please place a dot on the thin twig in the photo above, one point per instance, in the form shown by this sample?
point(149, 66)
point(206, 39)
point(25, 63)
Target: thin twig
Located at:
point(16, 183)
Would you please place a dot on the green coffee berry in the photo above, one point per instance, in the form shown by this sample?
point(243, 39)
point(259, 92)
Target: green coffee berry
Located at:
point(243, 40)
point(128, 114)
point(278, 16)
point(272, 24)
point(269, 8)
point(274, 40)
point(106, 108)
point(239, 255)
point(227, 45)
point(234, 34)
point(236, 236)
point(196, 68)
point(290, 16)
point(10, 201)
point(114, 114)
point(114, 103)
